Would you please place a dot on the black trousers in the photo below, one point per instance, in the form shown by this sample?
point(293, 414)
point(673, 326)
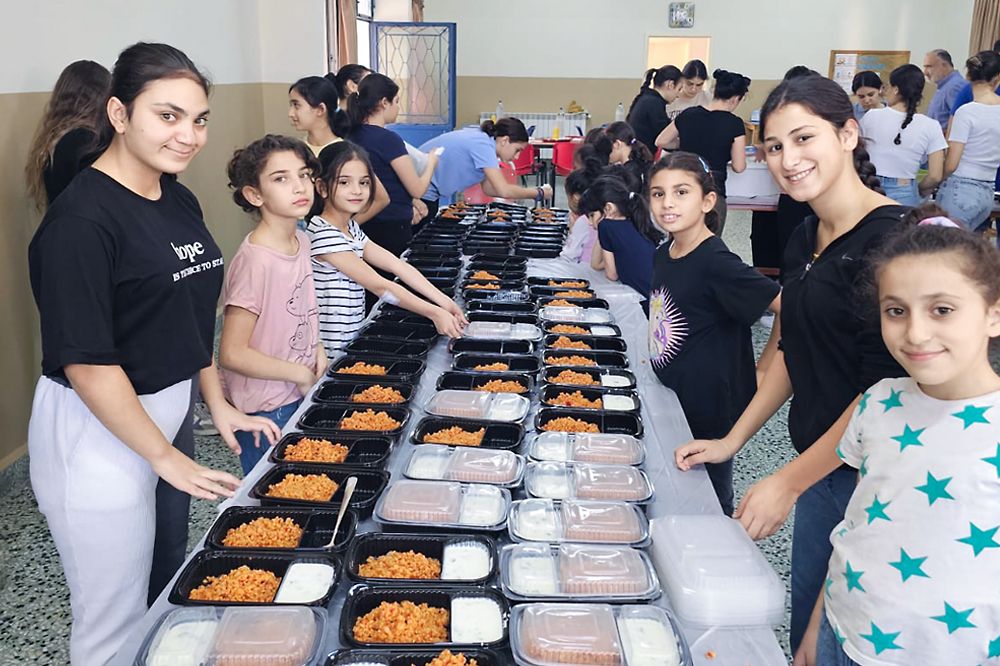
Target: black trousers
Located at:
point(172, 511)
point(394, 236)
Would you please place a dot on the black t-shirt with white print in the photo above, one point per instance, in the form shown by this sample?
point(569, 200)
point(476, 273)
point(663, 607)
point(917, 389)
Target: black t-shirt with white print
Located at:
point(700, 311)
point(123, 280)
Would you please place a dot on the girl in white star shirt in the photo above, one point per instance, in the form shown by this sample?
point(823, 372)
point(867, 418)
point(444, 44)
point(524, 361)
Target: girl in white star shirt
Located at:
point(915, 562)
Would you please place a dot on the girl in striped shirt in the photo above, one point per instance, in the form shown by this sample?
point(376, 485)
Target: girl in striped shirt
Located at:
point(345, 260)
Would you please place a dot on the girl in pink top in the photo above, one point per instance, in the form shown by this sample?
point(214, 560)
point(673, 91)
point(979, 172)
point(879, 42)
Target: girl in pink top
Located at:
point(270, 349)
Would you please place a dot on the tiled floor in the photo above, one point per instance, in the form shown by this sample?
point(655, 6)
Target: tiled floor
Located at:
point(34, 600)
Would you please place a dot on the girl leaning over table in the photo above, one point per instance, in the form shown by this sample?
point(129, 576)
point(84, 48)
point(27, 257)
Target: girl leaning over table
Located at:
point(126, 278)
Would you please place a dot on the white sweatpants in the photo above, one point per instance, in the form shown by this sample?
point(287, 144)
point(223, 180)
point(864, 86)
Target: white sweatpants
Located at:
point(99, 498)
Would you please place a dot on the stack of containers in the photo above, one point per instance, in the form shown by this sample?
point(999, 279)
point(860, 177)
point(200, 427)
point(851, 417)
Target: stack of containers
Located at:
point(544, 234)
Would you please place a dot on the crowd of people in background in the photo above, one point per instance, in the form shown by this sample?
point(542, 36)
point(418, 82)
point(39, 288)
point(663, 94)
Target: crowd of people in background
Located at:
point(885, 309)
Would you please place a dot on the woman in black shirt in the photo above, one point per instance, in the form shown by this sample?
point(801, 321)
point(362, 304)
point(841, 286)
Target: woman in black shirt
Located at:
point(830, 353)
point(126, 278)
point(65, 140)
point(648, 113)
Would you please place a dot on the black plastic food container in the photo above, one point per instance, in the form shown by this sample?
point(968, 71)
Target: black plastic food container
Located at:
point(505, 436)
point(503, 307)
point(317, 526)
point(370, 484)
point(362, 599)
point(376, 544)
point(387, 347)
point(606, 359)
point(219, 562)
point(598, 303)
point(408, 657)
point(522, 363)
point(549, 325)
point(362, 450)
point(469, 381)
point(327, 418)
point(341, 390)
point(550, 391)
point(615, 423)
point(396, 369)
point(479, 346)
point(596, 342)
point(544, 281)
point(549, 374)
point(507, 317)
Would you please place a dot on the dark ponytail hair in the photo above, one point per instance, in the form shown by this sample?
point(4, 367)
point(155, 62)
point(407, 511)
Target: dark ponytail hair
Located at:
point(316, 90)
point(695, 69)
point(371, 91)
point(827, 100)
point(979, 260)
point(984, 66)
point(138, 66)
point(697, 168)
point(352, 72)
point(866, 79)
point(247, 164)
point(507, 126)
point(639, 159)
point(610, 189)
point(909, 80)
point(730, 84)
point(654, 79)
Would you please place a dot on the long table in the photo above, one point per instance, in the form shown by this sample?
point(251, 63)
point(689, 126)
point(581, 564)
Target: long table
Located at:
point(676, 492)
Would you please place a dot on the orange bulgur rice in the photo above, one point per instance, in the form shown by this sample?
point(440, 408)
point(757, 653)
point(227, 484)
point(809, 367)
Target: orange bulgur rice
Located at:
point(574, 293)
point(569, 424)
point(369, 420)
point(456, 436)
point(362, 368)
point(446, 658)
point(498, 366)
point(264, 533)
point(402, 622)
point(501, 386)
point(308, 449)
point(568, 284)
point(562, 342)
point(241, 584)
point(575, 399)
point(579, 378)
point(395, 564)
point(561, 303)
point(380, 394)
point(312, 487)
point(570, 360)
point(569, 329)
point(484, 275)
point(484, 285)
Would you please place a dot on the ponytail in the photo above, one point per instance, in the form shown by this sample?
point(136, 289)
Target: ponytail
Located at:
point(371, 91)
point(611, 189)
point(507, 126)
point(866, 170)
point(909, 81)
point(488, 128)
point(316, 90)
point(654, 78)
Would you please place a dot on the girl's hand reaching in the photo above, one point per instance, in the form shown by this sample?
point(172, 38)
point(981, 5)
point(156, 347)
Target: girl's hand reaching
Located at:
point(447, 323)
point(228, 420)
point(456, 310)
point(703, 451)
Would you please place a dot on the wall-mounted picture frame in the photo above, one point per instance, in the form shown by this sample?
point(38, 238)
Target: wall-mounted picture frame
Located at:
point(681, 15)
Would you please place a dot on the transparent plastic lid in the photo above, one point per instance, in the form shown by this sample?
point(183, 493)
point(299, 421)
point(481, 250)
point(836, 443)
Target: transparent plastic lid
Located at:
point(576, 571)
point(508, 407)
point(434, 462)
point(499, 330)
point(713, 573)
point(266, 636)
point(587, 447)
point(560, 634)
point(185, 636)
point(578, 634)
point(586, 521)
point(555, 480)
point(444, 504)
point(575, 314)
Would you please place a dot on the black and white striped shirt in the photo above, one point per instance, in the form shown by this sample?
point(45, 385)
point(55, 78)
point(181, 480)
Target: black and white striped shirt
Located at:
point(341, 300)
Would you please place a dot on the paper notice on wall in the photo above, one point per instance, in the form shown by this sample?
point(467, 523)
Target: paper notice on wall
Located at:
point(845, 66)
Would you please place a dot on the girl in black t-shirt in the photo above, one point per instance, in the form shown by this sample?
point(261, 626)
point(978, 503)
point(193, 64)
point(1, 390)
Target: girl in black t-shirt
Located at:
point(126, 278)
point(829, 352)
point(648, 112)
point(702, 303)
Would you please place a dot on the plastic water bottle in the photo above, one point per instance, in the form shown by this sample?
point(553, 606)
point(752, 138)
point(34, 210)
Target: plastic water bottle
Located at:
point(560, 127)
point(620, 112)
point(499, 111)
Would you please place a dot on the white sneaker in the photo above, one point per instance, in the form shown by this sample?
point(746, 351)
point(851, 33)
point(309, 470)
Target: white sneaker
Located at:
point(202, 419)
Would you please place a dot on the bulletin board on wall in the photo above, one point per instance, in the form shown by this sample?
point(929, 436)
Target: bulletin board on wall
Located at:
point(844, 64)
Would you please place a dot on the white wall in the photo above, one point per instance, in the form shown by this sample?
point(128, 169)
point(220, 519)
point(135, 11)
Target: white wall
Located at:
point(234, 41)
point(602, 39)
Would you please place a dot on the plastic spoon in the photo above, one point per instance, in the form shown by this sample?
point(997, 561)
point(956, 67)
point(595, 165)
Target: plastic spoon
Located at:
point(349, 486)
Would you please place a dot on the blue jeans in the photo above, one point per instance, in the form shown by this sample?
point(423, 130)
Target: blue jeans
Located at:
point(250, 455)
point(828, 649)
point(817, 512)
point(907, 195)
point(966, 200)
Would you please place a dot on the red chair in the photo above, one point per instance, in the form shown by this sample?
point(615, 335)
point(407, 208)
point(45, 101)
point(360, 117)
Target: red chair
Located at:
point(524, 165)
point(562, 156)
point(474, 193)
